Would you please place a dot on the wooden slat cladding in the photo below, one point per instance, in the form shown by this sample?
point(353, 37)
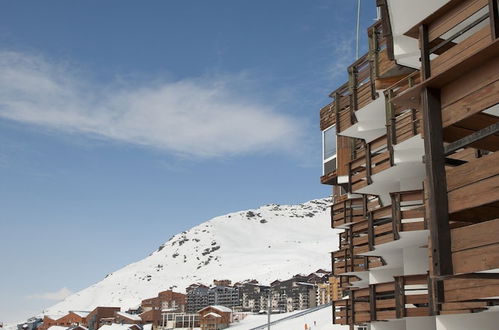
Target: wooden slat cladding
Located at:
point(451, 18)
point(464, 49)
point(466, 289)
point(476, 247)
point(473, 184)
point(327, 116)
point(344, 150)
point(471, 93)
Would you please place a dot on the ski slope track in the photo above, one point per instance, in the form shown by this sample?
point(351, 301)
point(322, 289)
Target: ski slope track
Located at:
point(268, 243)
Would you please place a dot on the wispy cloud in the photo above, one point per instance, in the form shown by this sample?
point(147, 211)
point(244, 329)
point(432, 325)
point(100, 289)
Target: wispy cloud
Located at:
point(57, 295)
point(202, 117)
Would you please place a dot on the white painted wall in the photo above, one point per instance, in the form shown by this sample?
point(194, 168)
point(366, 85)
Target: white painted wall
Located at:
point(404, 14)
point(384, 275)
point(390, 325)
point(474, 321)
point(415, 260)
point(420, 323)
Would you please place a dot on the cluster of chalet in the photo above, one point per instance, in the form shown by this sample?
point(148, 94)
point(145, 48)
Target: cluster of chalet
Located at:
point(296, 293)
point(202, 307)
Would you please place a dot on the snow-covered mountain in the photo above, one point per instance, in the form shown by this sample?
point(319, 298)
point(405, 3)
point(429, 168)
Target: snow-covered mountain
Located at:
point(268, 243)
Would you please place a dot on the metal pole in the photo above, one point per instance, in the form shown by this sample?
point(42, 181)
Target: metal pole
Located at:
point(357, 31)
point(269, 304)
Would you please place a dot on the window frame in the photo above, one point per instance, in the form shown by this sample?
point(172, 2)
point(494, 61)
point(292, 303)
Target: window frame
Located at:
point(324, 161)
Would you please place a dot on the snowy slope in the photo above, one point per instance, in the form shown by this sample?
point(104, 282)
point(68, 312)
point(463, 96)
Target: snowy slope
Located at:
point(318, 320)
point(268, 243)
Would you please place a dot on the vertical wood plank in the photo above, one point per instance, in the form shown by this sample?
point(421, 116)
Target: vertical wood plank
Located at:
point(494, 18)
point(437, 185)
point(425, 55)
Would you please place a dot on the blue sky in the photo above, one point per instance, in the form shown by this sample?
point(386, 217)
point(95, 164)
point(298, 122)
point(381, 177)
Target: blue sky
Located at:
point(123, 123)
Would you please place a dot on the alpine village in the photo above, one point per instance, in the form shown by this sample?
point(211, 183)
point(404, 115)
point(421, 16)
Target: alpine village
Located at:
point(409, 146)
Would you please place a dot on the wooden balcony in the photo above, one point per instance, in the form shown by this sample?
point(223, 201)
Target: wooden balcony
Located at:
point(475, 248)
point(473, 190)
point(348, 281)
point(376, 157)
point(469, 294)
point(327, 116)
point(350, 211)
point(459, 47)
point(342, 107)
point(347, 211)
point(344, 261)
point(406, 296)
point(384, 224)
point(386, 70)
point(455, 32)
point(362, 86)
point(402, 122)
point(358, 92)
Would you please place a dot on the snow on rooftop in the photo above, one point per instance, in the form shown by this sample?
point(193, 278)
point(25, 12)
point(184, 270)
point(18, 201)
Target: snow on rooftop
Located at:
point(220, 308)
point(115, 326)
point(212, 314)
point(81, 313)
point(129, 316)
point(57, 327)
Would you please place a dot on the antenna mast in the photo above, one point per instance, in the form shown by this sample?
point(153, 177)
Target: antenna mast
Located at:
point(357, 31)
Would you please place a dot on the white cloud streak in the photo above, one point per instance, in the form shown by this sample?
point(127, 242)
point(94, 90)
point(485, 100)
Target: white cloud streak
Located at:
point(202, 117)
point(57, 295)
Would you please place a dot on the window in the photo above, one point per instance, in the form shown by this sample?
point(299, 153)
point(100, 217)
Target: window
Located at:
point(329, 150)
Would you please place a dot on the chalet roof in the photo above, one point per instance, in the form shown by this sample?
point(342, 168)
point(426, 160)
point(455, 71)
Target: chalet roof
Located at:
point(218, 308)
point(212, 315)
point(81, 313)
point(57, 327)
point(132, 317)
point(115, 326)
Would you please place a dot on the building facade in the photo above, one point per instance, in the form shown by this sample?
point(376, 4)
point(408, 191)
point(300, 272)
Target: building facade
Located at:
point(409, 147)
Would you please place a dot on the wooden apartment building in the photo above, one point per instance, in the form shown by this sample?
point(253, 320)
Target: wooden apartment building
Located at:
point(409, 147)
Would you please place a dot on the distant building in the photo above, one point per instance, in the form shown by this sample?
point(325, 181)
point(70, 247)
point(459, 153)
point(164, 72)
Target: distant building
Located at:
point(31, 324)
point(72, 319)
point(253, 296)
point(165, 300)
point(171, 320)
point(125, 318)
point(222, 282)
point(293, 294)
point(227, 296)
point(215, 317)
point(101, 316)
point(197, 297)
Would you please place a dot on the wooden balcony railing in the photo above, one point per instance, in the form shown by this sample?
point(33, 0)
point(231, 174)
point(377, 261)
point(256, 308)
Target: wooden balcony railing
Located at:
point(361, 76)
point(386, 71)
point(455, 33)
point(344, 261)
point(343, 110)
point(347, 211)
point(378, 156)
point(406, 296)
point(384, 224)
point(348, 281)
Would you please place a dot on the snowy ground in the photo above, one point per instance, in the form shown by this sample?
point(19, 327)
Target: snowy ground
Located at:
point(321, 317)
